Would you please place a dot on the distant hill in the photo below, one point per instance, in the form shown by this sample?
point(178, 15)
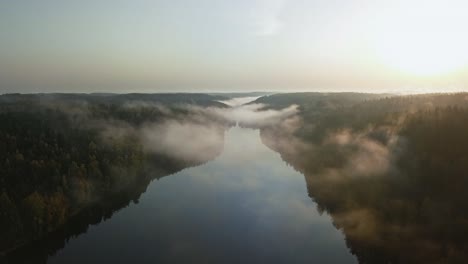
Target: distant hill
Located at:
point(237, 95)
point(162, 98)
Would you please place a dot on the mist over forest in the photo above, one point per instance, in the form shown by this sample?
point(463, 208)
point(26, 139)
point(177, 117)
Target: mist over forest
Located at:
point(389, 170)
point(247, 131)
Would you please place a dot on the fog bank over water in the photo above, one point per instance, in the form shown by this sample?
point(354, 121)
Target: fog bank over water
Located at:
point(181, 178)
point(182, 131)
point(190, 137)
point(237, 101)
point(245, 206)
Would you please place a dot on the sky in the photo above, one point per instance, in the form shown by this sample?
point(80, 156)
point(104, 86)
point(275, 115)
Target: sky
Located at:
point(243, 45)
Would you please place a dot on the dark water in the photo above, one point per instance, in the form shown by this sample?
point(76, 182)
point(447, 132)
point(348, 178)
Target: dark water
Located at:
point(246, 206)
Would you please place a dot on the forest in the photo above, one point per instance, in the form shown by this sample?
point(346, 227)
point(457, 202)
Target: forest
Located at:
point(390, 171)
point(64, 154)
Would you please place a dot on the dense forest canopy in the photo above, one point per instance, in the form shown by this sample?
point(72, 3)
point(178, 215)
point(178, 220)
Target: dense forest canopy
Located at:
point(391, 171)
point(61, 154)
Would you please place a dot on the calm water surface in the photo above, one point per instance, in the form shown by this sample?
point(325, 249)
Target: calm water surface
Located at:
point(245, 206)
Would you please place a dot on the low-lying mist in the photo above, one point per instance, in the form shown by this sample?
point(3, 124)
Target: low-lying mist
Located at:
point(181, 131)
point(390, 172)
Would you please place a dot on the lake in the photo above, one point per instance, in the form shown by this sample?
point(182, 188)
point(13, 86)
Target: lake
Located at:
point(245, 206)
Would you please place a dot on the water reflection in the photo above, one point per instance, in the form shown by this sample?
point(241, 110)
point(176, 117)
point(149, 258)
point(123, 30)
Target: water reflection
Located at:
point(245, 206)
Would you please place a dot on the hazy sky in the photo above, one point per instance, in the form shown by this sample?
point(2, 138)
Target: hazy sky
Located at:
point(221, 45)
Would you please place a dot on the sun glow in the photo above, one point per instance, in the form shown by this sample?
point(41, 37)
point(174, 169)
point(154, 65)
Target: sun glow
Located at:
point(422, 55)
point(429, 43)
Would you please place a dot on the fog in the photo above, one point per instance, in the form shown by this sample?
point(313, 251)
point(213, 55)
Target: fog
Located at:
point(341, 155)
point(183, 140)
point(238, 101)
point(184, 131)
point(367, 156)
point(196, 133)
